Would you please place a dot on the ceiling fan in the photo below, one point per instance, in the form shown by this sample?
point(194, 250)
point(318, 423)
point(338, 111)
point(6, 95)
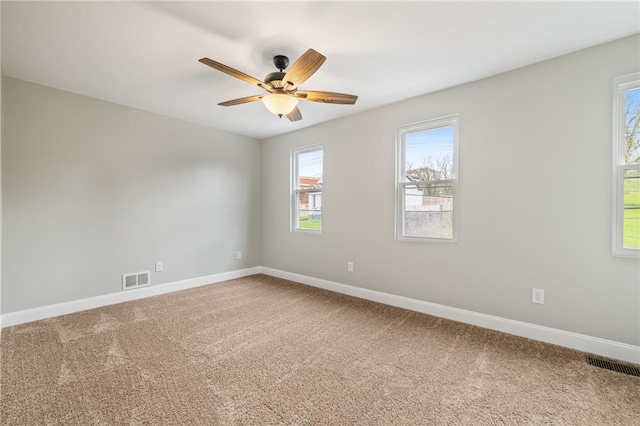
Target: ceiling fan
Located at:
point(283, 95)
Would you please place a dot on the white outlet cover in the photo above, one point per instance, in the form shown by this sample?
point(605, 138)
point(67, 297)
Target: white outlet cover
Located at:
point(537, 296)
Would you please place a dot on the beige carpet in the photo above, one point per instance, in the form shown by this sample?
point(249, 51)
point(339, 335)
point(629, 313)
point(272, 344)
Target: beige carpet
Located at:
point(264, 351)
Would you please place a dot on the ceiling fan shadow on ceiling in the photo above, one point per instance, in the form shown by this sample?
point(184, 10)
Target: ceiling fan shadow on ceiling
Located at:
point(284, 95)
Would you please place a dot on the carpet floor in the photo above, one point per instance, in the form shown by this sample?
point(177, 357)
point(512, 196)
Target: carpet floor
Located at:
point(265, 351)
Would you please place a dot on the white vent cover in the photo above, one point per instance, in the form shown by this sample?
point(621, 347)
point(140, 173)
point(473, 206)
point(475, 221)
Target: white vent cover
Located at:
point(135, 280)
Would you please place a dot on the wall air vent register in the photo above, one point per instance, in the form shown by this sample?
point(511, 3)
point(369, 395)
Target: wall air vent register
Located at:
point(135, 280)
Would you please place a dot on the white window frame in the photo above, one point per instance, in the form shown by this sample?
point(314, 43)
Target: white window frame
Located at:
point(295, 191)
point(621, 86)
point(401, 181)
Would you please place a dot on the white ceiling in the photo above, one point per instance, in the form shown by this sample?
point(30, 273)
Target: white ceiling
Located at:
point(145, 54)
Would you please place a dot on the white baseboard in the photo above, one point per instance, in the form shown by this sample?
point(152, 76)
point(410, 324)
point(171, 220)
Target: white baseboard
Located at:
point(581, 342)
point(28, 315)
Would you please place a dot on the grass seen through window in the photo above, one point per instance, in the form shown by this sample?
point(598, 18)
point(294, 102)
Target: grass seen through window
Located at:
point(306, 223)
point(631, 226)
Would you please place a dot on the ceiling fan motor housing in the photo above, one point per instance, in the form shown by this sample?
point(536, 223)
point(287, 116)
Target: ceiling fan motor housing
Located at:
point(274, 76)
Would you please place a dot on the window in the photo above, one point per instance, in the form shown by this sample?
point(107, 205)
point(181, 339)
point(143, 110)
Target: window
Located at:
point(426, 181)
point(307, 189)
point(626, 142)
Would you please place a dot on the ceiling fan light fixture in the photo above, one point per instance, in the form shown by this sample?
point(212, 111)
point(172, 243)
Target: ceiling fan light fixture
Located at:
point(279, 103)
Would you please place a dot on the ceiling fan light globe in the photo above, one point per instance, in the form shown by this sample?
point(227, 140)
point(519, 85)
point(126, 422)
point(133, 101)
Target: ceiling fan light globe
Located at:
point(279, 103)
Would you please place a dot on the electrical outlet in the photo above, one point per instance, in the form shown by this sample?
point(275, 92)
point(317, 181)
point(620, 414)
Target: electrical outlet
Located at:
point(537, 296)
point(349, 266)
point(159, 266)
point(238, 255)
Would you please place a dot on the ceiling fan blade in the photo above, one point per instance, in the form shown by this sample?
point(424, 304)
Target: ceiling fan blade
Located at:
point(295, 114)
point(235, 73)
point(302, 69)
point(242, 100)
point(326, 97)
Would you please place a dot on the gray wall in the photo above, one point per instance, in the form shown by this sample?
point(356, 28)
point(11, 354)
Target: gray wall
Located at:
point(535, 200)
point(92, 190)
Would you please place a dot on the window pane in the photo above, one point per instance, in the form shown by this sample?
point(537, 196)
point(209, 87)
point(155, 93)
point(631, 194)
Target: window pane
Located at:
point(632, 124)
point(309, 169)
point(631, 210)
point(426, 180)
point(428, 210)
point(626, 142)
point(309, 210)
point(429, 155)
point(307, 189)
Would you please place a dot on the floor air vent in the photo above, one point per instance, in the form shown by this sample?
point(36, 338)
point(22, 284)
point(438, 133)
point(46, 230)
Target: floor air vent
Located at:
point(614, 366)
point(135, 280)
